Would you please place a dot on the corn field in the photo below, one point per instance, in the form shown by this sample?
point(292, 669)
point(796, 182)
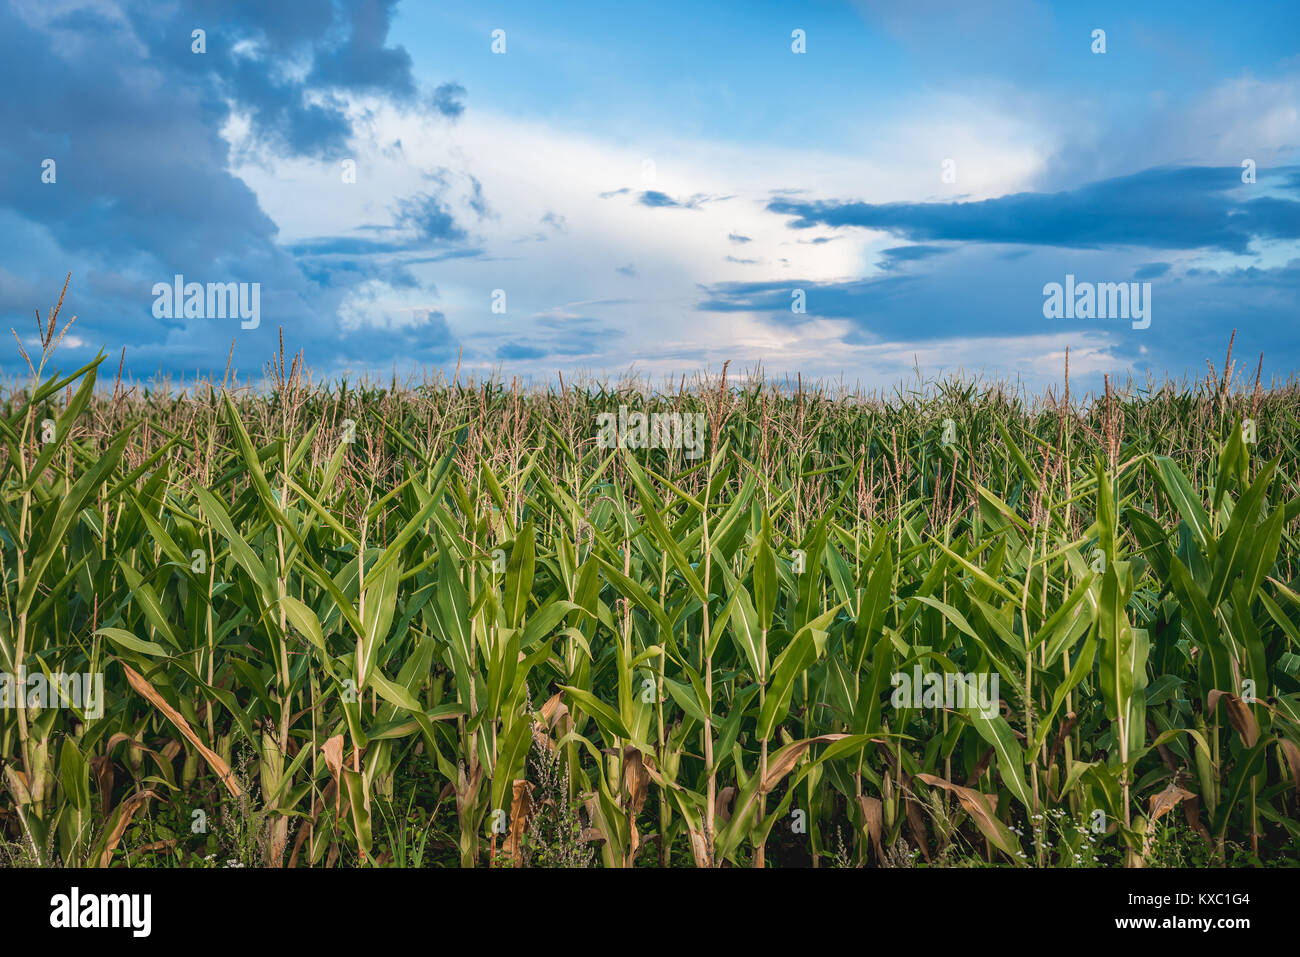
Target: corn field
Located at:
point(439, 624)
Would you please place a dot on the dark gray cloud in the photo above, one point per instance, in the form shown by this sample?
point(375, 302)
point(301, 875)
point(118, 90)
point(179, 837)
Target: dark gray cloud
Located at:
point(477, 201)
point(568, 343)
point(976, 292)
point(1151, 270)
point(132, 118)
point(520, 350)
point(361, 59)
point(658, 200)
point(895, 255)
point(429, 218)
point(427, 340)
point(1161, 208)
point(447, 98)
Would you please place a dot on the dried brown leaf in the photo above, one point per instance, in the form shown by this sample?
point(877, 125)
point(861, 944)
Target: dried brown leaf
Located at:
point(982, 809)
point(1239, 715)
point(176, 718)
point(873, 816)
point(127, 810)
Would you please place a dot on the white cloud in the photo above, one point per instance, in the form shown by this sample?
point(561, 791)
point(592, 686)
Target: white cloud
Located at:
point(529, 170)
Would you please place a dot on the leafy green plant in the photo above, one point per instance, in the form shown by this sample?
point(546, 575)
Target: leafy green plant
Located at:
point(364, 590)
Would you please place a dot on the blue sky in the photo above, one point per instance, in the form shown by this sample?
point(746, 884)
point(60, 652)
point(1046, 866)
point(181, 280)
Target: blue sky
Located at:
point(653, 187)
